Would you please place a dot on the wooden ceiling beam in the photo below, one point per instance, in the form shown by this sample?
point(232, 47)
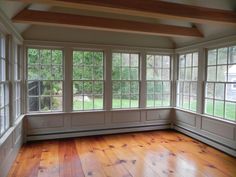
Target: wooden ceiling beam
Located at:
point(71, 20)
point(149, 8)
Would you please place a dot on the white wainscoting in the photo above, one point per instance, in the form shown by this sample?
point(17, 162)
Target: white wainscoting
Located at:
point(9, 147)
point(91, 123)
point(217, 133)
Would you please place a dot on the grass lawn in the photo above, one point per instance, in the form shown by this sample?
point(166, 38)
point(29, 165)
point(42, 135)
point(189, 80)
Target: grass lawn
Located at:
point(116, 103)
point(230, 113)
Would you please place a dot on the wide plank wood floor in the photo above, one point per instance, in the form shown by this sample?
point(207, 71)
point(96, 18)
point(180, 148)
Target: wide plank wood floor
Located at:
point(146, 154)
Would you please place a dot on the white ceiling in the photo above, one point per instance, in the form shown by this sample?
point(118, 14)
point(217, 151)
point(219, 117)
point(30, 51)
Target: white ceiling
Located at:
point(210, 31)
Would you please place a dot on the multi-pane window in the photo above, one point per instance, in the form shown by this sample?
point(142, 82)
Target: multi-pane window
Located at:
point(45, 79)
point(125, 80)
point(158, 80)
point(187, 81)
point(88, 80)
point(220, 91)
point(17, 81)
point(4, 95)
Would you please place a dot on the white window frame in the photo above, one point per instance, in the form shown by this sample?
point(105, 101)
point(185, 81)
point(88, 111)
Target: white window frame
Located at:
point(227, 81)
point(180, 92)
point(4, 83)
point(120, 52)
point(42, 80)
point(89, 80)
point(155, 81)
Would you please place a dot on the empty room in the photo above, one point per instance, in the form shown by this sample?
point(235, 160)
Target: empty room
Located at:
point(117, 88)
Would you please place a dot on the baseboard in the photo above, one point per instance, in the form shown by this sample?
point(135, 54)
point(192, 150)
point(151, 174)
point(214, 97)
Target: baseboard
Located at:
point(207, 140)
point(96, 132)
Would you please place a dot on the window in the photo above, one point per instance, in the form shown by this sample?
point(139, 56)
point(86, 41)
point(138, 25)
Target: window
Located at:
point(187, 81)
point(220, 93)
point(4, 95)
point(17, 81)
point(125, 80)
point(158, 80)
point(45, 80)
point(88, 83)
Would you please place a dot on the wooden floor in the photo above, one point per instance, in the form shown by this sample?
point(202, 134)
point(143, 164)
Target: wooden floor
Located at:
point(149, 154)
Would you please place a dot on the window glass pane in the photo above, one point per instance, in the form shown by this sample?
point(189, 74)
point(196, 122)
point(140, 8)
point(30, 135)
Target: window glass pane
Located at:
point(98, 101)
point(219, 91)
point(33, 104)
point(211, 73)
point(88, 79)
point(230, 111)
point(45, 76)
point(33, 56)
point(193, 103)
point(222, 73)
point(45, 57)
point(166, 61)
point(211, 60)
point(33, 88)
point(222, 56)
point(56, 88)
point(166, 100)
point(150, 101)
point(230, 92)
point(125, 79)
point(195, 59)
point(219, 108)
point(188, 60)
point(209, 90)
point(45, 104)
point(231, 73)
point(57, 103)
point(34, 72)
point(134, 60)
point(186, 102)
point(158, 61)
point(232, 55)
point(182, 61)
point(209, 106)
point(57, 57)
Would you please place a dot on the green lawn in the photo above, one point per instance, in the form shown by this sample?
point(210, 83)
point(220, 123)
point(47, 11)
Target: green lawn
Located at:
point(116, 103)
point(218, 111)
point(230, 113)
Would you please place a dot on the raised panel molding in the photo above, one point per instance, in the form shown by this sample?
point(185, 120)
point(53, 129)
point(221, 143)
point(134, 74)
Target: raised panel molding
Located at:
point(186, 118)
point(126, 116)
point(157, 115)
point(86, 119)
point(218, 128)
point(40, 122)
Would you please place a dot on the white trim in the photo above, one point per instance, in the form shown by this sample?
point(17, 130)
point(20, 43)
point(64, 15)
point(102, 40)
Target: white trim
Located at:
point(96, 46)
point(9, 27)
point(210, 44)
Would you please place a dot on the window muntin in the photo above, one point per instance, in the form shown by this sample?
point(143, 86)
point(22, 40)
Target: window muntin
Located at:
point(88, 80)
point(125, 80)
point(187, 81)
point(4, 94)
point(158, 80)
point(45, 80)
point(220, 95)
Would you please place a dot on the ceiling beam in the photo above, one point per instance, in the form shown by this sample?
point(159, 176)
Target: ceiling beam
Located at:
point(149, 8)
point(71, 20)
